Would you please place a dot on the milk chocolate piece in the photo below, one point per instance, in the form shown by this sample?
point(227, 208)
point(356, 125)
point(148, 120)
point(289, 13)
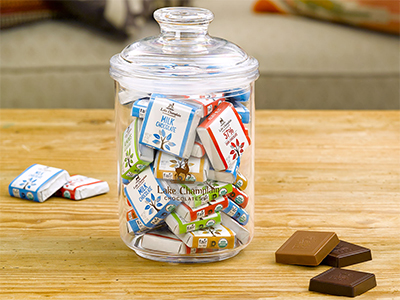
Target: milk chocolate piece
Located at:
point(342, 282)
point(346, 254)
point(306, 248)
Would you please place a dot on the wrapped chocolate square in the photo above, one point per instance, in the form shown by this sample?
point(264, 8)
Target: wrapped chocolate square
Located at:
point(81, 187)
point(179, 225)
point(170, 125)
point(239, 197)
point(170, 167)
point(241, 181)
point(208, 102)
point(217, 237)
point(38, 183)
point(165, 241)
point(224, 136)
point(147, 195)
point(236, 212)
point(191, 214)
point(139, 107)
point(135, 157)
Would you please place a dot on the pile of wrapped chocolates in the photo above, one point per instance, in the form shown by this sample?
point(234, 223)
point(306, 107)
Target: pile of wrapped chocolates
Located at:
point(38, 183)
point(180, 168)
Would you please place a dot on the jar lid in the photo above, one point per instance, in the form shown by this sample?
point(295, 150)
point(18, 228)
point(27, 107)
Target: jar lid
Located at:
point(183, 59)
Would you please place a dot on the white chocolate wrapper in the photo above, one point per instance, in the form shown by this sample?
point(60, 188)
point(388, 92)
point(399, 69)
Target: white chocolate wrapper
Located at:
point(223, 136)
point(81, 187)
point(170, 167)
point(242, 234)
point(170, 125)
point(38, 183)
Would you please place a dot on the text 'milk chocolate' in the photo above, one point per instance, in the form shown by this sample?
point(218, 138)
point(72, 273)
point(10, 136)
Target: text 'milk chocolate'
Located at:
point(306, 248)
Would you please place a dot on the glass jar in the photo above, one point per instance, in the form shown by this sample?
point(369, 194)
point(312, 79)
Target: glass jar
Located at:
point(184, 108)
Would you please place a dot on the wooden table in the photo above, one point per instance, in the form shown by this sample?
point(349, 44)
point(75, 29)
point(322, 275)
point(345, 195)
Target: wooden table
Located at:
point(315, 170)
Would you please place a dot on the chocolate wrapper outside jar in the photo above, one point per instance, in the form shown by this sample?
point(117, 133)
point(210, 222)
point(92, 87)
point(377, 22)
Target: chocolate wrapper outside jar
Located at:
point(184, 111)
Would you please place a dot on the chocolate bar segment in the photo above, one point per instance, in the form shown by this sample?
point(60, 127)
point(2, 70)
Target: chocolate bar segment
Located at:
point(346, 254)
point(342, 282)
point(306, 248)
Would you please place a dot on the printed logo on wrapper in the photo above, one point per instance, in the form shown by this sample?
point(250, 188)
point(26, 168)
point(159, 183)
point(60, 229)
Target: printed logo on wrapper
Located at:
point(222, 243)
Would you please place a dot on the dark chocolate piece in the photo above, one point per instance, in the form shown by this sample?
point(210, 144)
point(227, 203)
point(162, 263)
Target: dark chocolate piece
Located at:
point(306, 248)
point(346, 254)
point(342, 282)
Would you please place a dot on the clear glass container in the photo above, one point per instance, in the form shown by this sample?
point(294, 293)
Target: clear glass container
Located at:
point(184, 108)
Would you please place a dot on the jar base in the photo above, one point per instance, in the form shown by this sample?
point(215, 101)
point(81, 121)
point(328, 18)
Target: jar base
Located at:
point(186, 258)
point(206, 257)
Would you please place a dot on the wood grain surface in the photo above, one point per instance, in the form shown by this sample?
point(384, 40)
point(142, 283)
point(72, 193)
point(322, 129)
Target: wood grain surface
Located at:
point(315, 170)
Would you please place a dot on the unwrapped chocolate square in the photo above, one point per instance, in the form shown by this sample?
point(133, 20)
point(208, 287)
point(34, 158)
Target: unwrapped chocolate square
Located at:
point(38, 183)
point(306, 248)
point(342, 282)
point(346, 254)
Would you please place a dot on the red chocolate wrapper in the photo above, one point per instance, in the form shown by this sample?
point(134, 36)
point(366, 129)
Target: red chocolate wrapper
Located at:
point(81, 187)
